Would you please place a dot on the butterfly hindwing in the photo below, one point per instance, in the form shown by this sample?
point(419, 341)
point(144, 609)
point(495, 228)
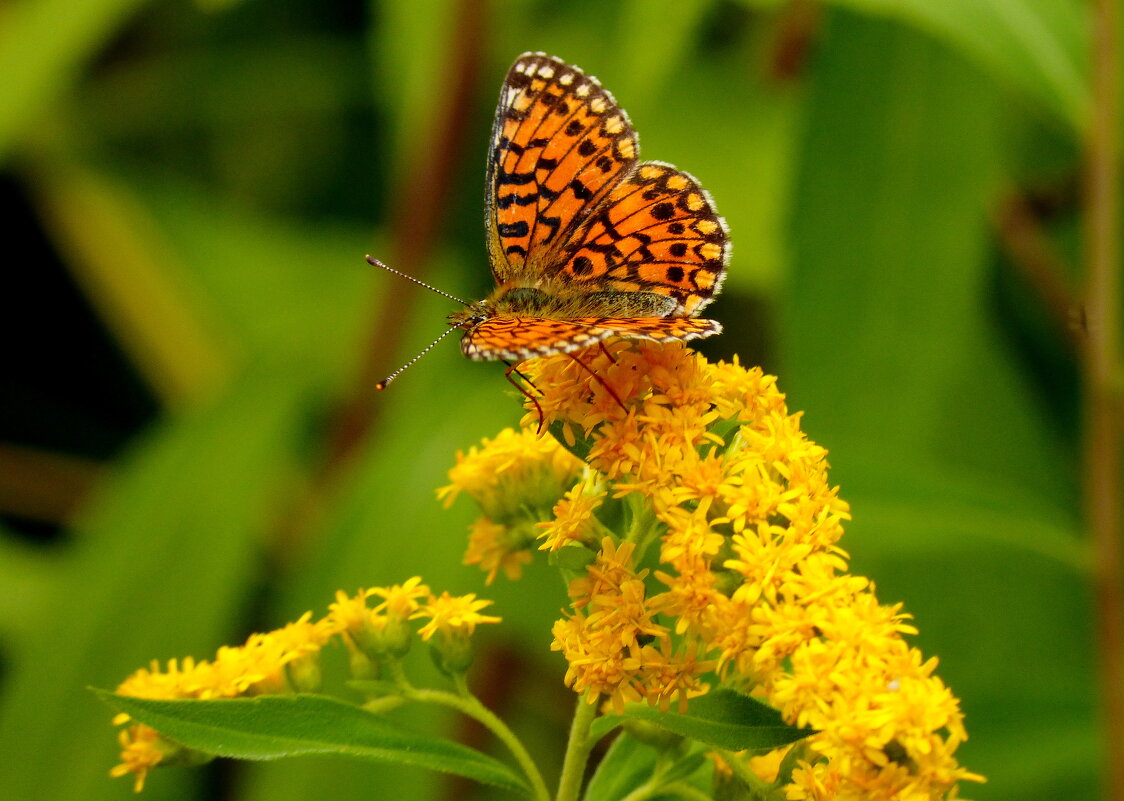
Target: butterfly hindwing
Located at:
point(519, 338)
point(656, 231)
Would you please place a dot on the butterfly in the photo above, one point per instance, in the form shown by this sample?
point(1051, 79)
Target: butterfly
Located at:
point(585, 241)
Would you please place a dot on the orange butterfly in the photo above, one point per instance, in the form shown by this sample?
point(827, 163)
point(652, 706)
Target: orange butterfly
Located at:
point(585, 241)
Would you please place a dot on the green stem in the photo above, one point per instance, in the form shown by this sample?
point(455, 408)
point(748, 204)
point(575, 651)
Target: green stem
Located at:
point(652, 789)
point(642, 526)
point(468, 704)
point(379, 705)
point(684, 790)
point(646, 790)
point(757, 786)
point(577, 750)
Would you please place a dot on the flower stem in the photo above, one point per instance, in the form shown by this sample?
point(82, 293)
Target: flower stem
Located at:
point(468, 704)
point(577, 750)
point(757, 787)
point(678, 789)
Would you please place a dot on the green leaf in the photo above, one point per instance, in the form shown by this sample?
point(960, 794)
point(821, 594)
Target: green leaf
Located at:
point(626, 765)
point(43, 46)
point(672, 33)
point(921, 142)
point(684, 768)
point(1039, 48)
point(723, 718)
point(572, 557)
point(272, 727)
point(580, 448)
point(631, 762)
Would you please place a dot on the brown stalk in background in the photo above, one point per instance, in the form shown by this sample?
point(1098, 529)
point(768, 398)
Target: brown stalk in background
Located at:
point(1101, 365)
point(422, 202)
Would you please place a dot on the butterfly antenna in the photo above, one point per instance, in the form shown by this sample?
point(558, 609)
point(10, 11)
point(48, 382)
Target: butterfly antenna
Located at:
point(376, 263)
point(386, 381)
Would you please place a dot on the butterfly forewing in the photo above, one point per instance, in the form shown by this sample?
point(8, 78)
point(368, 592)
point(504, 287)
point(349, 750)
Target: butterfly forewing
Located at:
point(559, 144)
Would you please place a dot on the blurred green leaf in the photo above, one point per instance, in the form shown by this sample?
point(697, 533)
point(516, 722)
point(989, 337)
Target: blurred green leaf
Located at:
point(27, 577)
point(160, 569)
point(931, 509)
point(960, 478)
point(1037, 47)
point(277, 290)
point(273, 727)
point(43, 45)
point(415, 91)
point(654, 47)
point(117, 255)
point(899, 161)
point(684, 768)
point(723, 718)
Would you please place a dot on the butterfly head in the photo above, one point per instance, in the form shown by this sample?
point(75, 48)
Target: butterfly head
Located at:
point(472, 314)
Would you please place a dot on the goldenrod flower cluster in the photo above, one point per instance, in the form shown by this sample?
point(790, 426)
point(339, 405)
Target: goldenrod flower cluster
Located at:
point(710, 540)
point(287, 660)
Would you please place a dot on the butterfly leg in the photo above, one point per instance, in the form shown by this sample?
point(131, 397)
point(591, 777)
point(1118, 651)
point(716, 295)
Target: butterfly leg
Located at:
point(606, 351)
point(600, 381)
point(514, 368)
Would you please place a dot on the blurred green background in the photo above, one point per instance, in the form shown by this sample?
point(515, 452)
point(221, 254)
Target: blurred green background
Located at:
point(191, 449)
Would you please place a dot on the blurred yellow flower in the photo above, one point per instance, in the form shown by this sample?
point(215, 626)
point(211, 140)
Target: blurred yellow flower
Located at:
point(142, 749)
point(497, 547)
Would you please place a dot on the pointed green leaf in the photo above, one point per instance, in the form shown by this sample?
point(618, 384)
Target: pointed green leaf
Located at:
point(625, 767)
point(723, 718)
point(572, 557)
point(580, 448)
point(630, 763)
point(272, 727)
point(684, 768)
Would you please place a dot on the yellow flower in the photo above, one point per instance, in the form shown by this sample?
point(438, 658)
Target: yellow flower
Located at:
point(349, 612)
point(142, 749)
point(497, 547)
point(381, 631)
point(516, 479)
point(454, 619)
point(611, 641)
point(400, 600)
point(706, 460)
point(281, 661)
point(511, 473)
point(453, 615)
point(572, 519)
point(177, 681)
point(597, 661)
